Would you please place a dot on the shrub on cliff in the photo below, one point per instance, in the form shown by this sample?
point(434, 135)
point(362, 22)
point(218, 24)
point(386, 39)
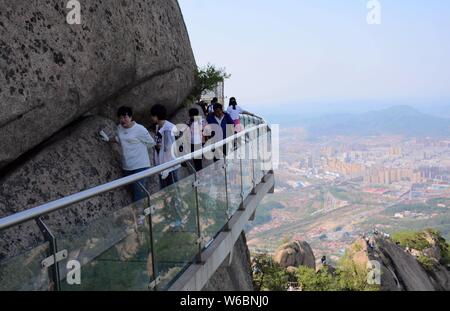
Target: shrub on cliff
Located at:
point(423, 241)
point(352, 277)
point(268, 275)
point(310, 280)
point(411, 239)
point(207, 78)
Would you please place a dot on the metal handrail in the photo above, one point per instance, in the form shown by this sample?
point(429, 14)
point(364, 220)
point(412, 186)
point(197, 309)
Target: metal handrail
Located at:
point(36, 212)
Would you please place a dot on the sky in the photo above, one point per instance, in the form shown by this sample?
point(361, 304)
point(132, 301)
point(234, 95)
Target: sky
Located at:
point(311, 55)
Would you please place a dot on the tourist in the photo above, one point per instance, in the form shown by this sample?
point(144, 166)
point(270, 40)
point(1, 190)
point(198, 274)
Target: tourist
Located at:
point(204, 107)
point(134, 140)
point(235, 111)
point(223, 123)
point(165, 145)
point(214, 101)
point(197, 125)
point(372, 243)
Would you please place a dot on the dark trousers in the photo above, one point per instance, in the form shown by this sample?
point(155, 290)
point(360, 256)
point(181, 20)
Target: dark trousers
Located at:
point(136, 190)
point(198, 163)
point(170, 180)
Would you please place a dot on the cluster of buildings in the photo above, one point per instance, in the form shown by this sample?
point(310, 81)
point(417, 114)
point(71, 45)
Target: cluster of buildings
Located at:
point(384, 163)
point(387, 176)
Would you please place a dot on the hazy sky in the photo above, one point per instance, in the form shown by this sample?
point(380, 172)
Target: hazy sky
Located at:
point(308, 52)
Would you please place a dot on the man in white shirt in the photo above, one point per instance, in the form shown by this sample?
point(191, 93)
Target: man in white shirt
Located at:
point(134, 140)
point(197, 125)
point(165, 145)
point(165, 152)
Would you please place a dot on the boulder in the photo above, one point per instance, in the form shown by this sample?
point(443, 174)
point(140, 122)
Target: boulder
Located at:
point(124, 52)
point(295, 254)
point(358, 252)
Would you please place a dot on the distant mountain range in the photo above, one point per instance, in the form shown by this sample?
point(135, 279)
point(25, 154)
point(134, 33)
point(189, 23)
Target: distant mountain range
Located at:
point(397, 120)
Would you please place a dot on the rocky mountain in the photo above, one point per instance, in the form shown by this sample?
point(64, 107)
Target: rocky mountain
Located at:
point(411, 261)
point(124, 52)
point(407, 261)
point(60, 84)
point(421, 266)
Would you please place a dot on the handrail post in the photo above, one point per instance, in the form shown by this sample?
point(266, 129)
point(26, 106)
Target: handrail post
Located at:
point(51, 239)
point(153, 285)
point(242, 145)
point(199, 259)
point(252, 147)
point(227, 211)
point(264, 148)
point(258, 155)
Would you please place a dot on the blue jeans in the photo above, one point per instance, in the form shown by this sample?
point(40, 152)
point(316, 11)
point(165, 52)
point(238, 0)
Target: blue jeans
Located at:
point(138, 193)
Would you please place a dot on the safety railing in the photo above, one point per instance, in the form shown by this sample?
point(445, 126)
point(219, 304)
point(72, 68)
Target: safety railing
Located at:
point(145, 245)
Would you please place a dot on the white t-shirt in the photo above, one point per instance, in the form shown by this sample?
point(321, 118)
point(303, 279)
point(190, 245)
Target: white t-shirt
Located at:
point(166, 139)
point(134, 142)
point(197, 128)
point(219, 121)
point(234, 114)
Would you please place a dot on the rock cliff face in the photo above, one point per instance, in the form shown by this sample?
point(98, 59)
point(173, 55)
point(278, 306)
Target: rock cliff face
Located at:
point(124, 52)
point(60, 84)
point(400, 269)
point(236, 276)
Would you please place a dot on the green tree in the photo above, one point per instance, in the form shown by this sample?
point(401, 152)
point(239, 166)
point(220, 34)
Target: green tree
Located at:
point(207, 79)
point(268, 275)
point(310, 280)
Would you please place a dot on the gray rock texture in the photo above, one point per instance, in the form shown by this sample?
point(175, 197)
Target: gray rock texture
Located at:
point(238, 275)
point(60, 84)
point(124, 52)
point(401, 267)
point(400, 270)
point(295, 254)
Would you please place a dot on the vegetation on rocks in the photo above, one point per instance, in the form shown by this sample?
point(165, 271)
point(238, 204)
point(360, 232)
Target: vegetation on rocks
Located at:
point(423, 242)
point(270, 276)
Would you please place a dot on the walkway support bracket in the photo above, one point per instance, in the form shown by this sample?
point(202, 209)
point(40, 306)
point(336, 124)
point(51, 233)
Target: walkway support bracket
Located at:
point(196, 276)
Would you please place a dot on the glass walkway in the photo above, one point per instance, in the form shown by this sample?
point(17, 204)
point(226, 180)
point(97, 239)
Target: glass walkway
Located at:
point(146, 245)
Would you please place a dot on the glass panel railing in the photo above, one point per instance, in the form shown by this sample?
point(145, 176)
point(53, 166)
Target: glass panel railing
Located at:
point(212, 195)
point(247, 173)
point(234, 182)
point(259, 174)
point(266, 152)
point(114, 251)
point(21, 266)
point(119, 251)
point(175, 229)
